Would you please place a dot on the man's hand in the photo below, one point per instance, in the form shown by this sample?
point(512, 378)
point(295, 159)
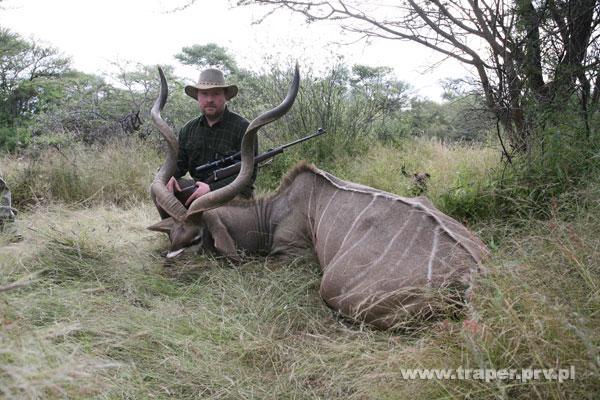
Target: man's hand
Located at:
point(173, 185)
point(202, 189)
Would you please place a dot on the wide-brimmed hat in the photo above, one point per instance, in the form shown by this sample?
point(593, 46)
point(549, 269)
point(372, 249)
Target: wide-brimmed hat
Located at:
point(209, 79)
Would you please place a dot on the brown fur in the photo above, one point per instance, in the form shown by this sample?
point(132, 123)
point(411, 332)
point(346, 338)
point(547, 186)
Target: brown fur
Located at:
point(286, 181)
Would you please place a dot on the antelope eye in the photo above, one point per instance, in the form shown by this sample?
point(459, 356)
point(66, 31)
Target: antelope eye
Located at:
point(196, 240)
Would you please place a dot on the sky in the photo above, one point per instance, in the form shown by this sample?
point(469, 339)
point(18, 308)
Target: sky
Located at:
point(96, 34)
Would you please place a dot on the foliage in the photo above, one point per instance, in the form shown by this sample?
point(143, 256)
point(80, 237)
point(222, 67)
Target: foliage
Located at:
point(354, 103)
point(562, 167)
point(40, 94)
point(209, 55)
point(357, 106)
point(353, 107)
point(13, 138)
point(93, 110)
point(77, 106)
point(24, 68)
point(461, 117)
point(460, 174)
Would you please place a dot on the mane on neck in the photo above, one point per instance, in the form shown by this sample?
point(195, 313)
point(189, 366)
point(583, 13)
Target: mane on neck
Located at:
point(286, 181)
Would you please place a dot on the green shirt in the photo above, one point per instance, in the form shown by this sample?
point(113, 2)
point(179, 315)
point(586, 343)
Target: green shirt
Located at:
point(200, 143)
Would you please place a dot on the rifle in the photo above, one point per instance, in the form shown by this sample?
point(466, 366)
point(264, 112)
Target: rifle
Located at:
point(219, 170)
point(220, 163)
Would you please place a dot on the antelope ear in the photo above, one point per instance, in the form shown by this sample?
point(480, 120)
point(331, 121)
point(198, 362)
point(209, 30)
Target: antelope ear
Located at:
point(224, 243)
point(163, 226)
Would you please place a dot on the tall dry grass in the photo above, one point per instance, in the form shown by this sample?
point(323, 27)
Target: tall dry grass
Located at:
point(114, 173)
point(100, 314)
point(452, 166)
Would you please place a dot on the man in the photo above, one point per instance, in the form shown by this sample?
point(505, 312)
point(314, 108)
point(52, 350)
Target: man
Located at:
point(215, 134)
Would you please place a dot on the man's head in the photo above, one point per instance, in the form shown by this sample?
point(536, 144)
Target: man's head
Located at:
point(211, 92)
point(212, 102)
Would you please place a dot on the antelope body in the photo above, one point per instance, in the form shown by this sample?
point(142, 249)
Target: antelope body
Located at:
point(381, 255)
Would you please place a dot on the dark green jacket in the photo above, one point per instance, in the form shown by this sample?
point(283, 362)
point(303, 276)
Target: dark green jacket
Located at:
point(200, 143)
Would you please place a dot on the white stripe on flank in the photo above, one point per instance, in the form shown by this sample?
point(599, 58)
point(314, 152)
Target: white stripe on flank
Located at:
point(325, 210)
point(308, 211)
point(414, 237)
point(389, 245)
point(332, 226)
point(347, 251)
point(436, 234)
point(356, 219)
point(372, 264)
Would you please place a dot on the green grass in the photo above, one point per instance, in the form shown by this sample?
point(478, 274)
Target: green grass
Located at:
point(100, 314)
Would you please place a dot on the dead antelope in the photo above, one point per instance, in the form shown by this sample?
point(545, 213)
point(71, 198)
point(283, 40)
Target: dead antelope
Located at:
point(380, 254)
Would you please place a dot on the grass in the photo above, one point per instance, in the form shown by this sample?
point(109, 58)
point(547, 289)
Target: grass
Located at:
point(100, 315)
point(143, 329)
point(117, 173)
point(459, 181)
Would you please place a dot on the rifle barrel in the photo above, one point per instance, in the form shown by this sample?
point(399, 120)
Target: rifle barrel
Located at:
point(319, 132)
point(235, 168)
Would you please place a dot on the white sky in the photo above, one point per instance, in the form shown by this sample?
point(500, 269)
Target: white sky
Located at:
point(94, 33)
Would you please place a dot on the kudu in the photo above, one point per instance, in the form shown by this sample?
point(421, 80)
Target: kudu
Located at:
point(381, 255)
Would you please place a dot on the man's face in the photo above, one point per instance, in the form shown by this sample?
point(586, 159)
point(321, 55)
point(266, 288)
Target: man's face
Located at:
point(212, 102)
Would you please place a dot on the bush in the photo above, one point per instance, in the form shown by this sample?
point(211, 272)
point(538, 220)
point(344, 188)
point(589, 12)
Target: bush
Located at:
point(561, 164)
point(14, 138)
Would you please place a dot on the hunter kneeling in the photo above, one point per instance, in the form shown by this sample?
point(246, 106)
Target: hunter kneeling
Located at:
point(214, 135)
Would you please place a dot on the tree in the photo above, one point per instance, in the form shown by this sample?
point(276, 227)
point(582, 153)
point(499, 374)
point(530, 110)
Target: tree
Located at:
point(94, 110)
point(378, 97)
point(25, 66)
point(530, 58)
point(209, 55)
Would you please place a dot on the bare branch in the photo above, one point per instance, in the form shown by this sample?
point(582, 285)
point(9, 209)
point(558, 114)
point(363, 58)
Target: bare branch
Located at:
point(525, 53)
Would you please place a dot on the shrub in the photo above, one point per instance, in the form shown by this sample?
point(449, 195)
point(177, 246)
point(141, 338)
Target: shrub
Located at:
point(13, 138)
